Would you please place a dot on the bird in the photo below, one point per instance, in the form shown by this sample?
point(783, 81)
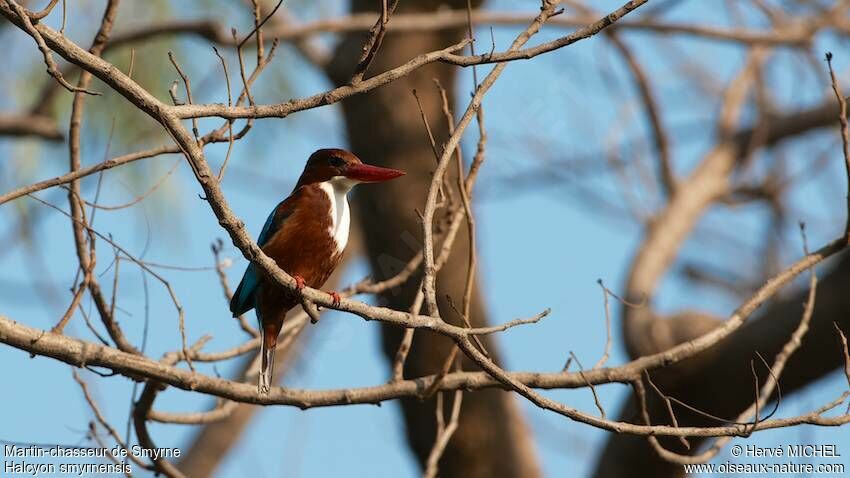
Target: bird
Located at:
point(305, 234)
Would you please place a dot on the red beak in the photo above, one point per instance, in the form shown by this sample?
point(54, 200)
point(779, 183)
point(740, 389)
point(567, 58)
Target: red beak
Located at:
point(371, 174)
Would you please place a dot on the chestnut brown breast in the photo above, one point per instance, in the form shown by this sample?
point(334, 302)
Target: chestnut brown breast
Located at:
point(303, 246)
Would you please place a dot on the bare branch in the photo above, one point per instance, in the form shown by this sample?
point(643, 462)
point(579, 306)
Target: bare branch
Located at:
point(187, 84)
point(140, 415)
point(373, 43)
point(83, 172)
point(444, 434)
point(52, 69)
point(104, 423)
point(845, 135)
point(44, 12)
point(843, 339)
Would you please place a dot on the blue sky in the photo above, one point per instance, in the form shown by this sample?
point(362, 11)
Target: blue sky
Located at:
point(566, 245)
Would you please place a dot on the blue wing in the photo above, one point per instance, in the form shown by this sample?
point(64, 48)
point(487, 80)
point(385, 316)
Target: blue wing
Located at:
point(269, 228)
point(243, 299)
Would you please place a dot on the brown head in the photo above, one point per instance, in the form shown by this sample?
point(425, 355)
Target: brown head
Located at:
point(328, 164)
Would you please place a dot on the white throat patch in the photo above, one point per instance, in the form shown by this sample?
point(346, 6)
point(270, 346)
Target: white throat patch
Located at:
point(337, 191)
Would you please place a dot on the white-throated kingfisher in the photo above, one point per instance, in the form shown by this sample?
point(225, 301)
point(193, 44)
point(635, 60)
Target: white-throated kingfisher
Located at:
point(306, 235)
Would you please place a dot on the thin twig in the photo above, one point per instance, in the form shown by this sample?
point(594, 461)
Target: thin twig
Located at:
point(428, 285)
point(230, 103)
point(444, 434)
point(255, 4)
point(373, 43)
point(187, 84)
point(43, 12)
point(140, 197)
point(590, 385)
point(607, 306)
point(447, 366)
point(104, 423)
point(257, 27)
point(165, 283)
point(245, 83)
point(668, 403)
point(52, 69)
point(843, 339)
point(401, 355)
point(220, 264)
point(845, 135)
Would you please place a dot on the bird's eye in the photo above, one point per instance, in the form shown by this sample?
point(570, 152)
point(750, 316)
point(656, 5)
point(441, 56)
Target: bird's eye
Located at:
point(337, 162)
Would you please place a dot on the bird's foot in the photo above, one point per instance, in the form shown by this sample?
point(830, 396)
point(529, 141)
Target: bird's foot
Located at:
point(300, 283)
point(335, 296)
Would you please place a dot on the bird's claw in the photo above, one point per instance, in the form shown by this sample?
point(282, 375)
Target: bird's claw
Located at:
point(336, 298)
point(299, 282)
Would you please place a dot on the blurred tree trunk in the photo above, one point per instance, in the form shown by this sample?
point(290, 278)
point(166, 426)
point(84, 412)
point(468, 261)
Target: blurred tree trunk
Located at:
point(384, 127)
point(723, 384)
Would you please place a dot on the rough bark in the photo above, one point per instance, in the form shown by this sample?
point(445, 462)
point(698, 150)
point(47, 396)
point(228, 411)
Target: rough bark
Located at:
point(723, 384)
point(384, 127)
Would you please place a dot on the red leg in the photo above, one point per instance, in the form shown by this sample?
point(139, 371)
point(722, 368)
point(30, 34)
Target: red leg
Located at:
point(299, 282)
point(336, 298)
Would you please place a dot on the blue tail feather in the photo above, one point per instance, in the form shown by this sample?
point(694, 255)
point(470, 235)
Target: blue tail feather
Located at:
point(243, 299)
